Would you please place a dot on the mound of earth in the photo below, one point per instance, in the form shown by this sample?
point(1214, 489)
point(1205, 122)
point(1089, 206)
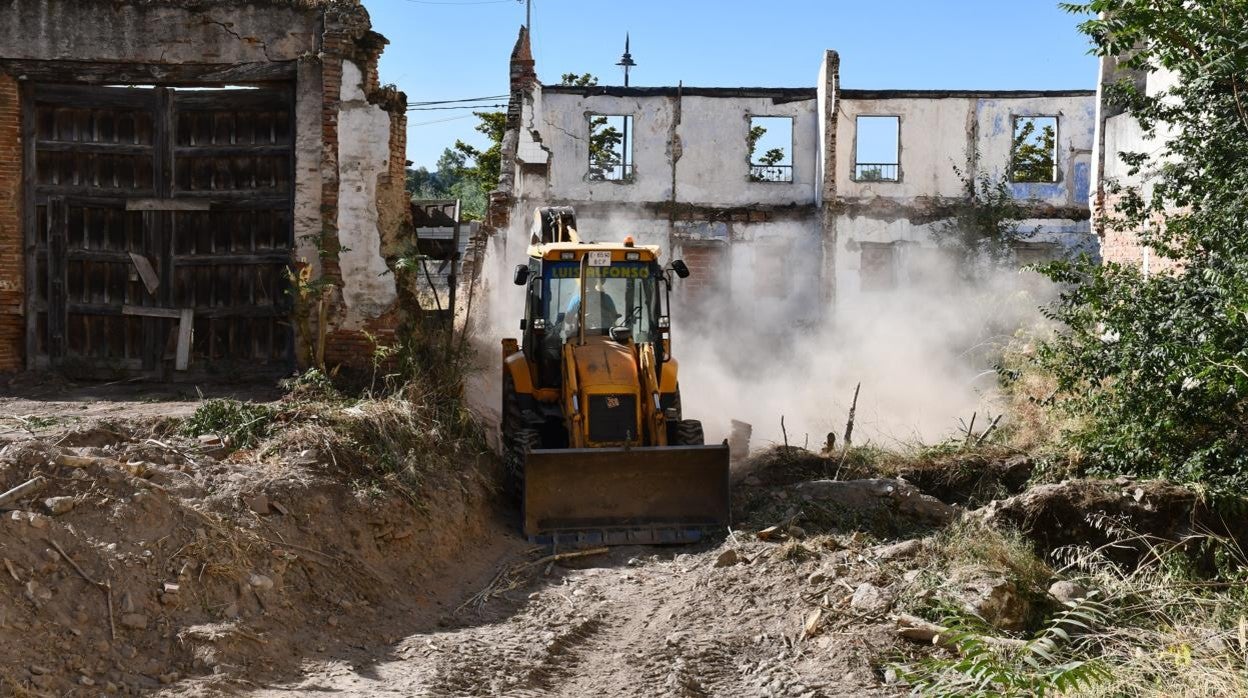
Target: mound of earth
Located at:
point(138, 562)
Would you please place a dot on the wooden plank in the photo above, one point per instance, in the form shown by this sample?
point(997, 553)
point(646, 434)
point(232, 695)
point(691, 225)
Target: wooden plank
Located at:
point(146, 272)
point(57, 331)
point(94, 148)
point(233, 100)
point(261, 258)
point(186, 322)
point(83, 97)
point(196, 74)
point(144, 311)
point(167, 205)
point(259, 311)
point(208, 151)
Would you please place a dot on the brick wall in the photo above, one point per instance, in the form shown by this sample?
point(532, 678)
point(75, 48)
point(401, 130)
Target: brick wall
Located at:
point(1123, 246)
point(12, 258)
point(709, 266)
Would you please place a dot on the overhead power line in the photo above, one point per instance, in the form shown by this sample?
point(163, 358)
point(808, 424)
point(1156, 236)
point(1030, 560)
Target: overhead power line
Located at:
point(440, 121)
point(469, 2)
point(466, 106)
point(457, 101)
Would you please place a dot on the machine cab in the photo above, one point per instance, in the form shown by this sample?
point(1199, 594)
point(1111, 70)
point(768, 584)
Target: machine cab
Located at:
point(623, 289)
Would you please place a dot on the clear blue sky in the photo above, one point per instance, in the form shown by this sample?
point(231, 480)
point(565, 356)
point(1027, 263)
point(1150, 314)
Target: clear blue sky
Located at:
point(456, 49)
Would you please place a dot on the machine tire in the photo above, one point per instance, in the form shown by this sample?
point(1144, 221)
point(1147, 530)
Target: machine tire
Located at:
point(689, 433)
point(518, 440)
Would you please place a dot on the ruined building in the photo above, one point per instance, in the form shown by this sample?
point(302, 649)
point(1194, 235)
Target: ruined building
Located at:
point(813, 194)
point(1117, 133)
point(196, 188)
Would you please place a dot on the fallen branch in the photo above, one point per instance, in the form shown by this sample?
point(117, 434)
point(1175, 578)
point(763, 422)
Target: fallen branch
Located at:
point(105, 587)
point(918, 630)
point(23, 490)
point(567, 556)
point(509, 578)
point(980, 440)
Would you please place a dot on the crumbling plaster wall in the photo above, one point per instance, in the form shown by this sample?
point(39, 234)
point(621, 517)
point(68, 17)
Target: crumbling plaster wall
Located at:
point(363, 158)
point(938, 133)
point(709, 149)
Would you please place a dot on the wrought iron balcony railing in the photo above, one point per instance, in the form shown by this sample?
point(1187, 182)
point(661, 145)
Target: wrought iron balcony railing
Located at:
point(771, 173)
point(876, 172)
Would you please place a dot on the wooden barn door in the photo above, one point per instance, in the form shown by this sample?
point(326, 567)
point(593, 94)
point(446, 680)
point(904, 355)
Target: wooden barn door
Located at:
point(159, 232)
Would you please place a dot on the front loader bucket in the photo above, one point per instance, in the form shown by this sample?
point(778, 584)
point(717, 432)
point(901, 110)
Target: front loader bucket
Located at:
point(617, 496)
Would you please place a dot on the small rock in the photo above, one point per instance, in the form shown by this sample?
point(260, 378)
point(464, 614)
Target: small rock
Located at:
point(230, 611)
point(38, 520)
point(796, 532)
point(259, 503)
point(101, 646)
point(39, 669)
point(169, 677)
point(635, 562)
point(899, 551)
point(37, 593)
point(134, 620)
point(332, 621)
point(771, 533)
point(728, 558)
point(993, 598)
point(260, 582)
point(209, 440)
point(820, 576)
point(911, 575)
point(869, 598)
point(1067, 592)
point(86, 681)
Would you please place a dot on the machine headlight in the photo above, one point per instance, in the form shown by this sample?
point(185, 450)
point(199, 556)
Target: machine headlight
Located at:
point(567, 255)
point(664, 322)
point(539, 324)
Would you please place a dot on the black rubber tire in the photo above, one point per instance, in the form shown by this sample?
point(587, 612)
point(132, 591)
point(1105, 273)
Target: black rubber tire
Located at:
point(518, 440)
point(689, 433)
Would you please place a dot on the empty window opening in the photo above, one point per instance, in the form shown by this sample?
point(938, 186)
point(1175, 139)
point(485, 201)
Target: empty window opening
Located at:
point(1033, 155)
point(878, 266)
point(770, 143)
point(877, 149)
point(610, 148)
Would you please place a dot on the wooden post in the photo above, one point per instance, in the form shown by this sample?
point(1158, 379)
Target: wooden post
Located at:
point(186, 321)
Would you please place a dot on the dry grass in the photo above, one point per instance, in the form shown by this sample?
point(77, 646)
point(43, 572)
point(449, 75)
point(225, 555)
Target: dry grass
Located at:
point(1034, 425)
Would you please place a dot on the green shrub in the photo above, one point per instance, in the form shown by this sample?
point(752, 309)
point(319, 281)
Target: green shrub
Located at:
point(243, 423)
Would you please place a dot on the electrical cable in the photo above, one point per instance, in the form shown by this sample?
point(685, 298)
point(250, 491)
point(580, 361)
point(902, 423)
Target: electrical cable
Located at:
point(473, 2)
point(457, 101)
point(466, 106)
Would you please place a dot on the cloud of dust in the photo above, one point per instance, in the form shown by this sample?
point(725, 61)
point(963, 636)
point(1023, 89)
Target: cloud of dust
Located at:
point(925, 353)
point(925, 356)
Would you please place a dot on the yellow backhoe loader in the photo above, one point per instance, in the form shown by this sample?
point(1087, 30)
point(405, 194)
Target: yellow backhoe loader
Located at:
point(596, 447)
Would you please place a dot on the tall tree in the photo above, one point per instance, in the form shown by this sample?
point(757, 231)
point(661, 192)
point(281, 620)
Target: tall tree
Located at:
point(1156, 366)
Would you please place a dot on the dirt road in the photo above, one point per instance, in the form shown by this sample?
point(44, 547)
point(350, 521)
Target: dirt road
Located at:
point(632, 622)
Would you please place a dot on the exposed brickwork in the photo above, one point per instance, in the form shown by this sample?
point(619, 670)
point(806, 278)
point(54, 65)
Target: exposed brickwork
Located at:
point(709, 267)
point(12, 258)
point(1123, 246)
